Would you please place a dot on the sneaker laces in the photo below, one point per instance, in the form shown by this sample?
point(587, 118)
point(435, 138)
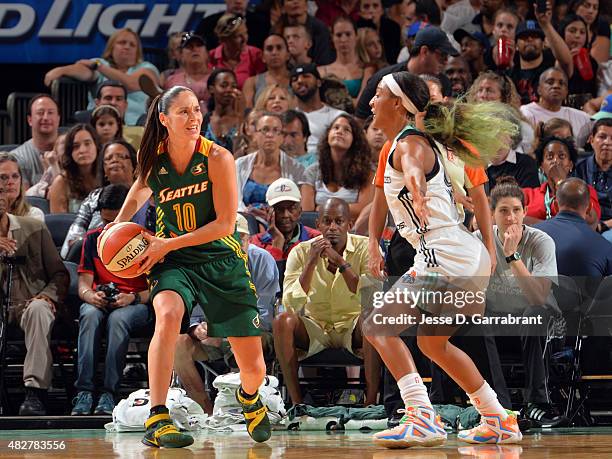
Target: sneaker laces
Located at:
point(409, 416)
point(80, 398)
point(106, 398)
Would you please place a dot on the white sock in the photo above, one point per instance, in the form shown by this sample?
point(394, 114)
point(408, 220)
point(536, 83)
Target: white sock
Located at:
point(485, 401)
point(413, 391)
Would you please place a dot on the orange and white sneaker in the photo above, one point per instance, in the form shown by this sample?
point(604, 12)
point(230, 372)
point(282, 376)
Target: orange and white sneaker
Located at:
point(493, 430)
point(418, 427)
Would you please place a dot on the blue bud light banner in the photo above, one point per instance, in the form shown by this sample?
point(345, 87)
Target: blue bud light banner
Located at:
point(64, 31)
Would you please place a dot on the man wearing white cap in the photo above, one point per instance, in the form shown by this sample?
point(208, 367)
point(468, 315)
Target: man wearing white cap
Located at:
point(285, 230)
point(197, 345)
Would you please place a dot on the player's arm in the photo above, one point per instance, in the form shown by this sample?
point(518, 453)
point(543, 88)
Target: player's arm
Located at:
point(378, 217)
point(137, 196)
point(222, 173)
point(414, 156)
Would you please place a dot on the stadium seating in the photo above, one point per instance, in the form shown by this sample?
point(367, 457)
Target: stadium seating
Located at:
point(309, 219)
point(41, 203)
point(591, 357)
point(17, 107)
point(8, 147)
point(72, 95)
point(58, 225)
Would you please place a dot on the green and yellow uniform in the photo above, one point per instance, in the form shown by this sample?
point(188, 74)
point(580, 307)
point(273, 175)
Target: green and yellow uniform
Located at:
point(214, 275)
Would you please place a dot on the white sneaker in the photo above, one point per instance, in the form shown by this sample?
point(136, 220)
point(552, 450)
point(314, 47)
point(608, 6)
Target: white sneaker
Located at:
point(493, 430)
point(419, 427)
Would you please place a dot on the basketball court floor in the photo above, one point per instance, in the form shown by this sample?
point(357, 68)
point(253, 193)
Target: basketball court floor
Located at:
point(559, 443)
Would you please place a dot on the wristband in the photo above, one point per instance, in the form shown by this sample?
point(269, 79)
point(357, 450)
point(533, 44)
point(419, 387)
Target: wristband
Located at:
point(514, 257)
point(344, 267)
point(137, 299)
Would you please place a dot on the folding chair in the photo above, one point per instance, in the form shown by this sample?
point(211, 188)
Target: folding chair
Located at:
point(595, 321)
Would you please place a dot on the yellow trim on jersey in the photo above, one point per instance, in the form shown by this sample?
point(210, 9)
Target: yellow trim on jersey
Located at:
point(205, 146)
point(160, 222)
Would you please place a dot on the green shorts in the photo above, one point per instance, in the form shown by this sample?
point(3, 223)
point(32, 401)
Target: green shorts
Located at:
point(223, 288)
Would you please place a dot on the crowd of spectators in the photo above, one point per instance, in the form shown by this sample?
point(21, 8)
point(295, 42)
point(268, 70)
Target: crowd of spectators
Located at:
point(286, 87)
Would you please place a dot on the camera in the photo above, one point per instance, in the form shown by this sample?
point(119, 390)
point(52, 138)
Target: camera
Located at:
point(110, 291)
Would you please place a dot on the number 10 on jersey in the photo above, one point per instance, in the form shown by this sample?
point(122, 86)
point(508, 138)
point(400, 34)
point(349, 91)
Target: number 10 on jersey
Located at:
point(185, 216)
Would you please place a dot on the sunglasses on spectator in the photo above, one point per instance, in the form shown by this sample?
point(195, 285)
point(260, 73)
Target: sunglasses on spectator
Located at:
point(231, 26)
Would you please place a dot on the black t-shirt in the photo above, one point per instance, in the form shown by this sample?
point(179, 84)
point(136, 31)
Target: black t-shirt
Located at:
point(577, 85)
point(258, 27)
point(525, 171)
point(526, 81)
point(363, 105)
point(602, 29)
point(322, 52)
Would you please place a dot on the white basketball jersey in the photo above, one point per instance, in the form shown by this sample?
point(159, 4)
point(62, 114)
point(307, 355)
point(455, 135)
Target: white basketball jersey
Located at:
point(442, 207)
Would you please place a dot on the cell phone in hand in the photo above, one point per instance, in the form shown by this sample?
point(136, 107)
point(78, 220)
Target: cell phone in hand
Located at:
point(541, 6)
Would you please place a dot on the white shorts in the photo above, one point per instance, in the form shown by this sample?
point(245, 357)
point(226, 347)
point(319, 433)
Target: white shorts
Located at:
point(449, 260)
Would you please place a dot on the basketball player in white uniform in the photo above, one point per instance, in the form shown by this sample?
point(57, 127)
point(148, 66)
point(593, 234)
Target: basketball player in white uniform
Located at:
point(449, 258)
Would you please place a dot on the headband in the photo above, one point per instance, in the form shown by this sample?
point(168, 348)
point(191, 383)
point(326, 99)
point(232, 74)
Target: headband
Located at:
point(396, 91)
point(107, 107)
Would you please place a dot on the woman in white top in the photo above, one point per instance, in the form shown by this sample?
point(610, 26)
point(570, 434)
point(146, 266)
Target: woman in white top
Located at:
point(450, 261)
point(10, 180)
point(344, 169)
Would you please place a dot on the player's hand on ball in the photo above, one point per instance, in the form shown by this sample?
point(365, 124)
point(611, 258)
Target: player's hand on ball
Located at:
point(156, 251)
point(106, 228)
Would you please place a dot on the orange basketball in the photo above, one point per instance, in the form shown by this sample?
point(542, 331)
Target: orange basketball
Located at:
point(119, 246)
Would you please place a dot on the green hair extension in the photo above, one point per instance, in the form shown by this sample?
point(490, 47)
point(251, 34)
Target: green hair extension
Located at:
point(488, 127)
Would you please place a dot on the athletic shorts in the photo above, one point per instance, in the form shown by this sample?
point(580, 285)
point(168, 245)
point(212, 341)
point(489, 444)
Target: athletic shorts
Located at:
point(321, 339)
point(223, 288)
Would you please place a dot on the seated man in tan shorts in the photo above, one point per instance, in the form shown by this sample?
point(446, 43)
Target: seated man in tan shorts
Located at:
point(196, 345)
point(322, 301)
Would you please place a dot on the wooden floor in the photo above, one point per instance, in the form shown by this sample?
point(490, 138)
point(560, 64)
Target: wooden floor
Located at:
point(553, 444)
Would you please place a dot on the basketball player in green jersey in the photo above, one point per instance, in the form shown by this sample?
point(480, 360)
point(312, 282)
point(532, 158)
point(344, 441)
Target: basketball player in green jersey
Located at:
point(194, 257)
